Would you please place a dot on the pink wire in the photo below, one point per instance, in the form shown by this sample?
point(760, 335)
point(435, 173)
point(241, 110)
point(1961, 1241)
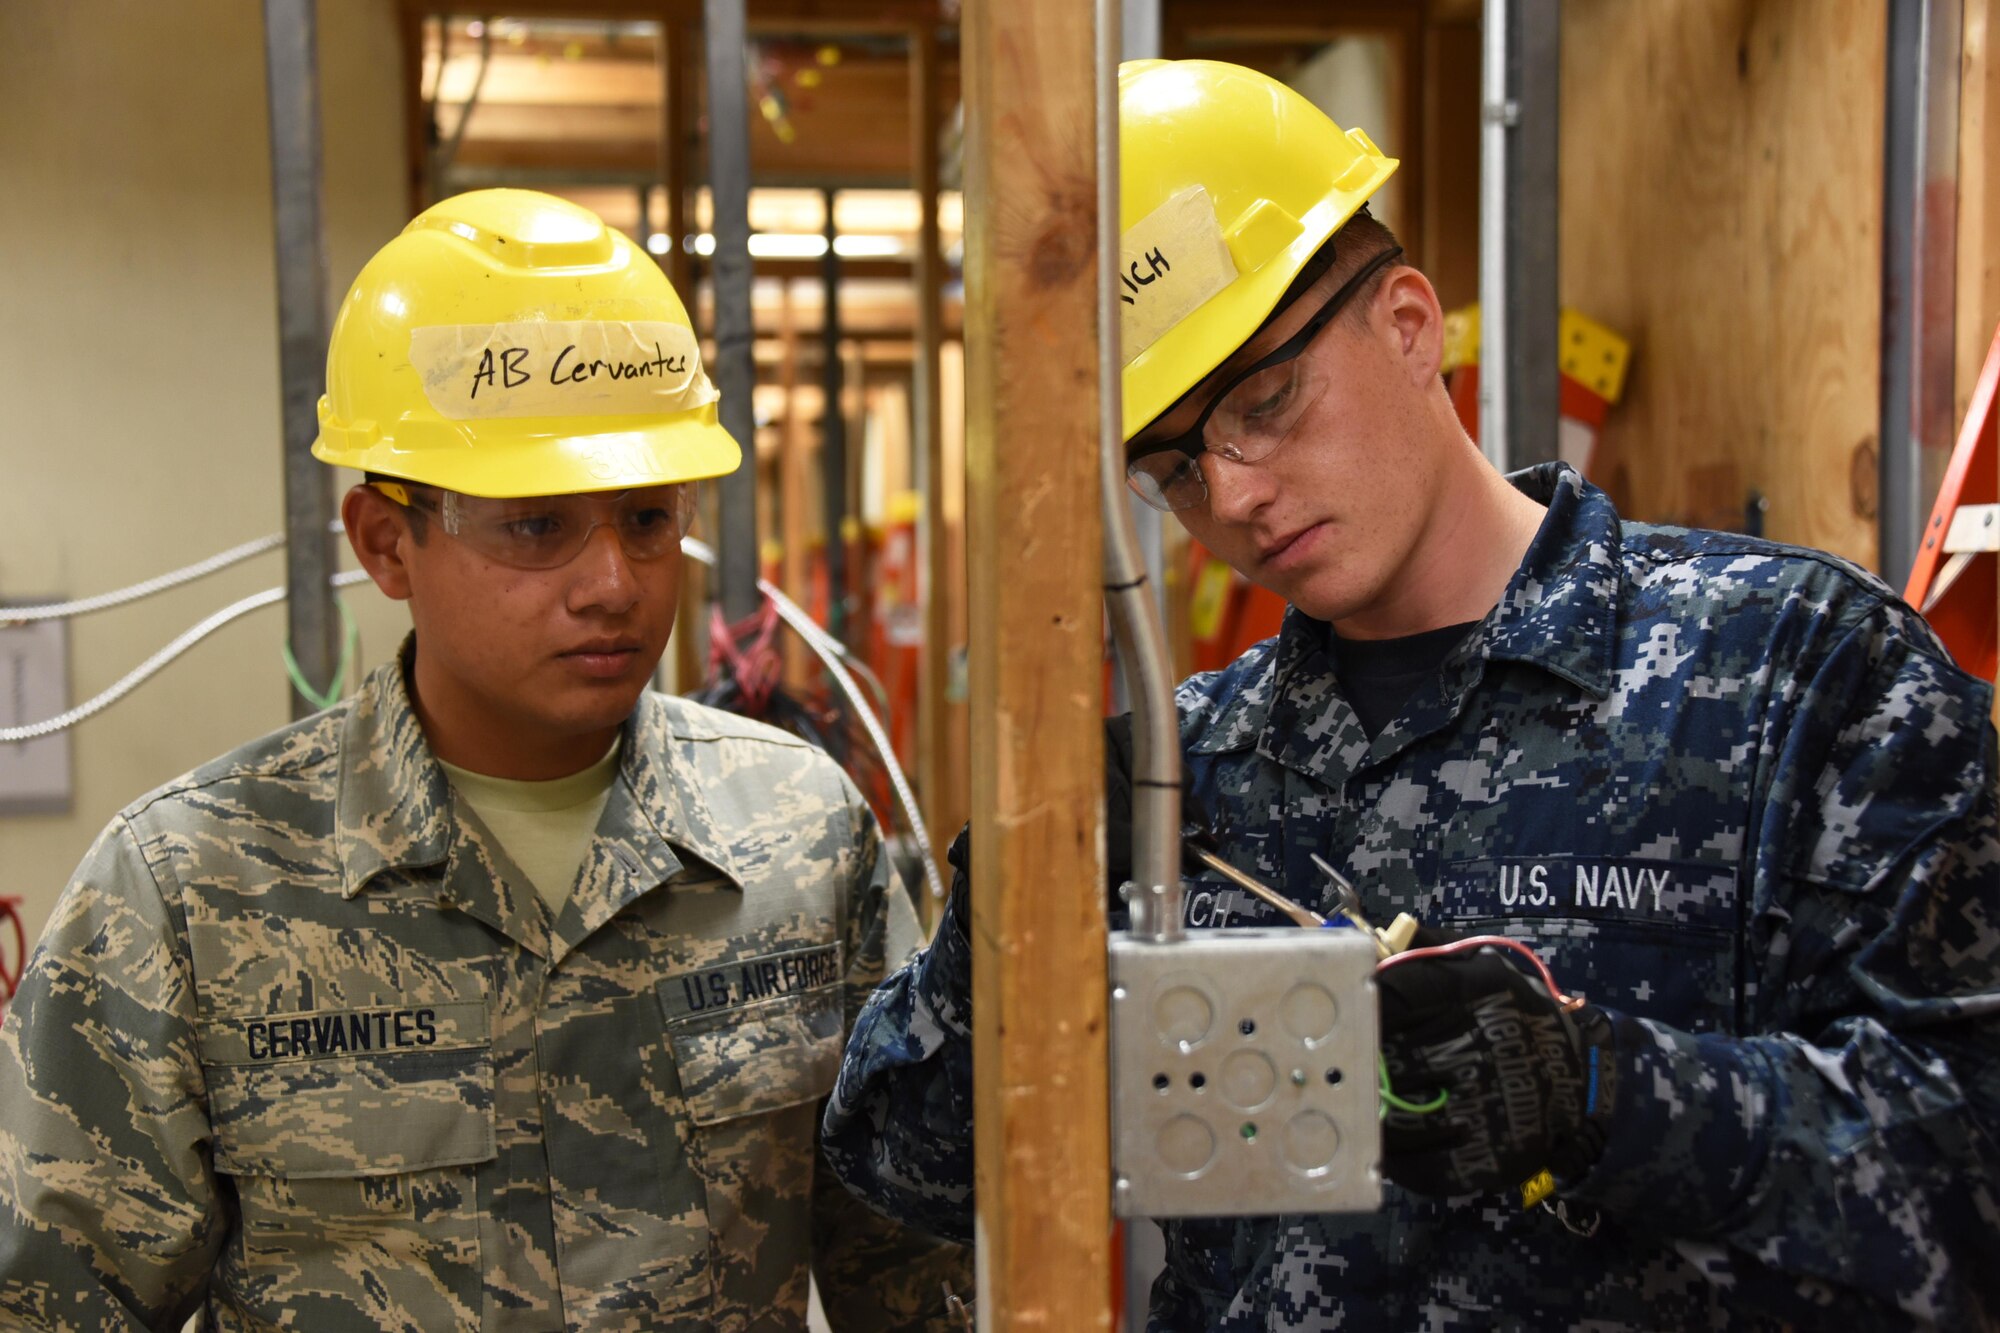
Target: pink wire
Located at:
point(1476, 942)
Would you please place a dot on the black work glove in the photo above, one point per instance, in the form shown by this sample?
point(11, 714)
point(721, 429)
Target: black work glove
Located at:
point(1528, 1086)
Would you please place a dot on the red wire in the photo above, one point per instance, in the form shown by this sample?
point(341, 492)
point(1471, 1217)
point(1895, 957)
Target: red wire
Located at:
point(10, 977)
point(1477, 942)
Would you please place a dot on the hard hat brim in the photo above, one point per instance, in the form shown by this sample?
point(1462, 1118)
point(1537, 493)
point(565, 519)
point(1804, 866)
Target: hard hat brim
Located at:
point(544, 457)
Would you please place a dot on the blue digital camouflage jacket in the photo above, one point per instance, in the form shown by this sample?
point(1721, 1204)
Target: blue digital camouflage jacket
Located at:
point(1734, 792)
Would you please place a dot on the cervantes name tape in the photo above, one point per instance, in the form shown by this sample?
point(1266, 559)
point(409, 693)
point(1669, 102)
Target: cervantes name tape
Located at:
point(553, 368)
point(1169, 263)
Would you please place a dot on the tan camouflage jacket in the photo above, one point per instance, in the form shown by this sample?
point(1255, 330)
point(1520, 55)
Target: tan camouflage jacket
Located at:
point(301, 1047)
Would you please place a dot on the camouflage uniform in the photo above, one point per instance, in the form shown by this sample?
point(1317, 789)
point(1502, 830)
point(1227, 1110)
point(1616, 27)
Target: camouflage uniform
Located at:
point(302, 1048)
point(1735, 793)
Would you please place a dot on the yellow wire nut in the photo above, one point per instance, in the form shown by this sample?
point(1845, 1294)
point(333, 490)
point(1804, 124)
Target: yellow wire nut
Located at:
point(1536, 1188)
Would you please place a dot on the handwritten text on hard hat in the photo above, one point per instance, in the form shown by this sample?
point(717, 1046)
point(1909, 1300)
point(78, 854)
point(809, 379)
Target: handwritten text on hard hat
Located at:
point(557, 368)
point(1169, 263)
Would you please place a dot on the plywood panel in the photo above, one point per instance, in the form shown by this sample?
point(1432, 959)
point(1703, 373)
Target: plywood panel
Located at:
point(1722, 169)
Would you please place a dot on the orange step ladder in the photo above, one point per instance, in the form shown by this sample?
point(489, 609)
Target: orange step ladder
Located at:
point(1955, 582)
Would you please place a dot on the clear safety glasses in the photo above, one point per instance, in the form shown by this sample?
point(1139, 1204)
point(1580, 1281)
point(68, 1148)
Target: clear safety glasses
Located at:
point(549, 531)
point(1250, 416)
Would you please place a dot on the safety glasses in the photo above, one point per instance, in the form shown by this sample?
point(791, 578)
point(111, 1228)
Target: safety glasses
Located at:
point(1250, 415)
point(548, 531)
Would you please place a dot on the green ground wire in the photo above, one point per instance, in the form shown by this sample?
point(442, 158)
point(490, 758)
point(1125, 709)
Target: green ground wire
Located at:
point(349, 643)
point(1390, 1099)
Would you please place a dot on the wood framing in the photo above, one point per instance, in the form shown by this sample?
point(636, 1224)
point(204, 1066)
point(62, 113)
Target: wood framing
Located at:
point(1978, 297)
point(1039, 964)
point(941, 727)
point(1722, 209)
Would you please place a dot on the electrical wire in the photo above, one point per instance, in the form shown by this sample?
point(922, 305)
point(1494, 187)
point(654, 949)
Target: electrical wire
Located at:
point(235, 555)
point(138, 675)
point(830, 651)
point(1391, 1101)
point(841, 664)
point(11, 616)
point(1482, 941)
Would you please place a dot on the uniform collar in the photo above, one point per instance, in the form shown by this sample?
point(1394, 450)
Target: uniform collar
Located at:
point(1559, 612)
point(394, 810)
point(393, 806)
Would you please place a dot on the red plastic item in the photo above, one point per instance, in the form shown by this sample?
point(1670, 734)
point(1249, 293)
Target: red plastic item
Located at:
point(1967, 614)
point(10, 973)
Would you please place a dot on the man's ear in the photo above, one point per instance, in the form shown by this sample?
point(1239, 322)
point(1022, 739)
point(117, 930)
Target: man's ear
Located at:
point(1411, 306)
point(379, 532)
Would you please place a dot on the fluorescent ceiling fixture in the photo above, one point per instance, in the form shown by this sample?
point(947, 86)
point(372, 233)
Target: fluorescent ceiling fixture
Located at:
point(794, 245)
point(866, 247)
point(786, 245)
point(659, 242)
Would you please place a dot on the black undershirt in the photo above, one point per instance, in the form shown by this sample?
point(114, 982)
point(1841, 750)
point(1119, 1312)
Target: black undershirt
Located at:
point(1378, 676)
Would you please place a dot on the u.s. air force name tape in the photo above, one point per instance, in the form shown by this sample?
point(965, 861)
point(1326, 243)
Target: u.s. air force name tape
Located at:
point(1169, 263)
point(556, 368)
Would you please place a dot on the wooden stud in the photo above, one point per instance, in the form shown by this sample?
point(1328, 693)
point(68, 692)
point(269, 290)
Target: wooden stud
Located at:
point(1039, 972)
point(416, 150)
point(797, 514)
point(1978, 297)
point(941, 764)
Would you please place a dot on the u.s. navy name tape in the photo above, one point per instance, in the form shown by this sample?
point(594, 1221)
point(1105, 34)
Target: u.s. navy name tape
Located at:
point(559, 368)
point(1169, 263)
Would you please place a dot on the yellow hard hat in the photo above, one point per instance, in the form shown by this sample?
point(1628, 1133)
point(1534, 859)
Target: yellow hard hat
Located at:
point(1229, 182)
point(509, 343)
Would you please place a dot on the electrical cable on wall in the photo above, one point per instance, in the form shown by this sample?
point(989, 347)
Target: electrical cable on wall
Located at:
point(831, 652)
point(140, 674)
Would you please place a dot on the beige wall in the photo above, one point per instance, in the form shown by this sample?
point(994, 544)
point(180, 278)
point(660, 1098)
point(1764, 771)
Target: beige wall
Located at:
point(140, 422)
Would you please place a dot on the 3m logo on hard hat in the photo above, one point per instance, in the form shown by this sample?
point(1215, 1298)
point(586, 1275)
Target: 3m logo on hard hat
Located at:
point(1169, 263)
point(559, 369)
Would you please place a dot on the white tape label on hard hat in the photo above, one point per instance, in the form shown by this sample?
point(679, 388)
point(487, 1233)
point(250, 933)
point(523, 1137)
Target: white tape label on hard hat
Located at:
point(1169, 263)
point(552, 368)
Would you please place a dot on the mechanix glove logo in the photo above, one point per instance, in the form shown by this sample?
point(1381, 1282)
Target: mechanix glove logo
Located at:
point(1525, 1083)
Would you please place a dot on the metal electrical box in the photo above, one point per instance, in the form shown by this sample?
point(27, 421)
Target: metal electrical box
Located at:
point(1243, 1075)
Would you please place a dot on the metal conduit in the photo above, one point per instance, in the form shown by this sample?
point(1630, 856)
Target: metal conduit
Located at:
point(292, 86)
point(833, 433)
point(1136, 622)
point(723, 35)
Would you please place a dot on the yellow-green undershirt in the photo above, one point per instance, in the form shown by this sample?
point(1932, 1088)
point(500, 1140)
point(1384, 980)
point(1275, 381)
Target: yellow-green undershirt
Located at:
point(545, 826)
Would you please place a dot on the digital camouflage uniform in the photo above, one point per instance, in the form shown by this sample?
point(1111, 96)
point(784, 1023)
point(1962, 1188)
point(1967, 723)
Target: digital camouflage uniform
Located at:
point(301, 1047)
point(1735, 793)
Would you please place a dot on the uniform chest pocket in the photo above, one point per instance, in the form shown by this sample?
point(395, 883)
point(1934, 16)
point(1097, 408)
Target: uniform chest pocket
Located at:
point(762, 1057)
point(1656, 939)
point(353, 1141)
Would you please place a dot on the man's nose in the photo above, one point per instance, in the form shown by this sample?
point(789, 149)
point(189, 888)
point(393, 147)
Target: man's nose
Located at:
point(601, 574)
point(1236, 490)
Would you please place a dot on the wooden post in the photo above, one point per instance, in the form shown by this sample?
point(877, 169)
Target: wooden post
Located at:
point(677, 54)
point(795, 511)
point(1978, 303)
point(941, 771)
point(1039, 1044)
